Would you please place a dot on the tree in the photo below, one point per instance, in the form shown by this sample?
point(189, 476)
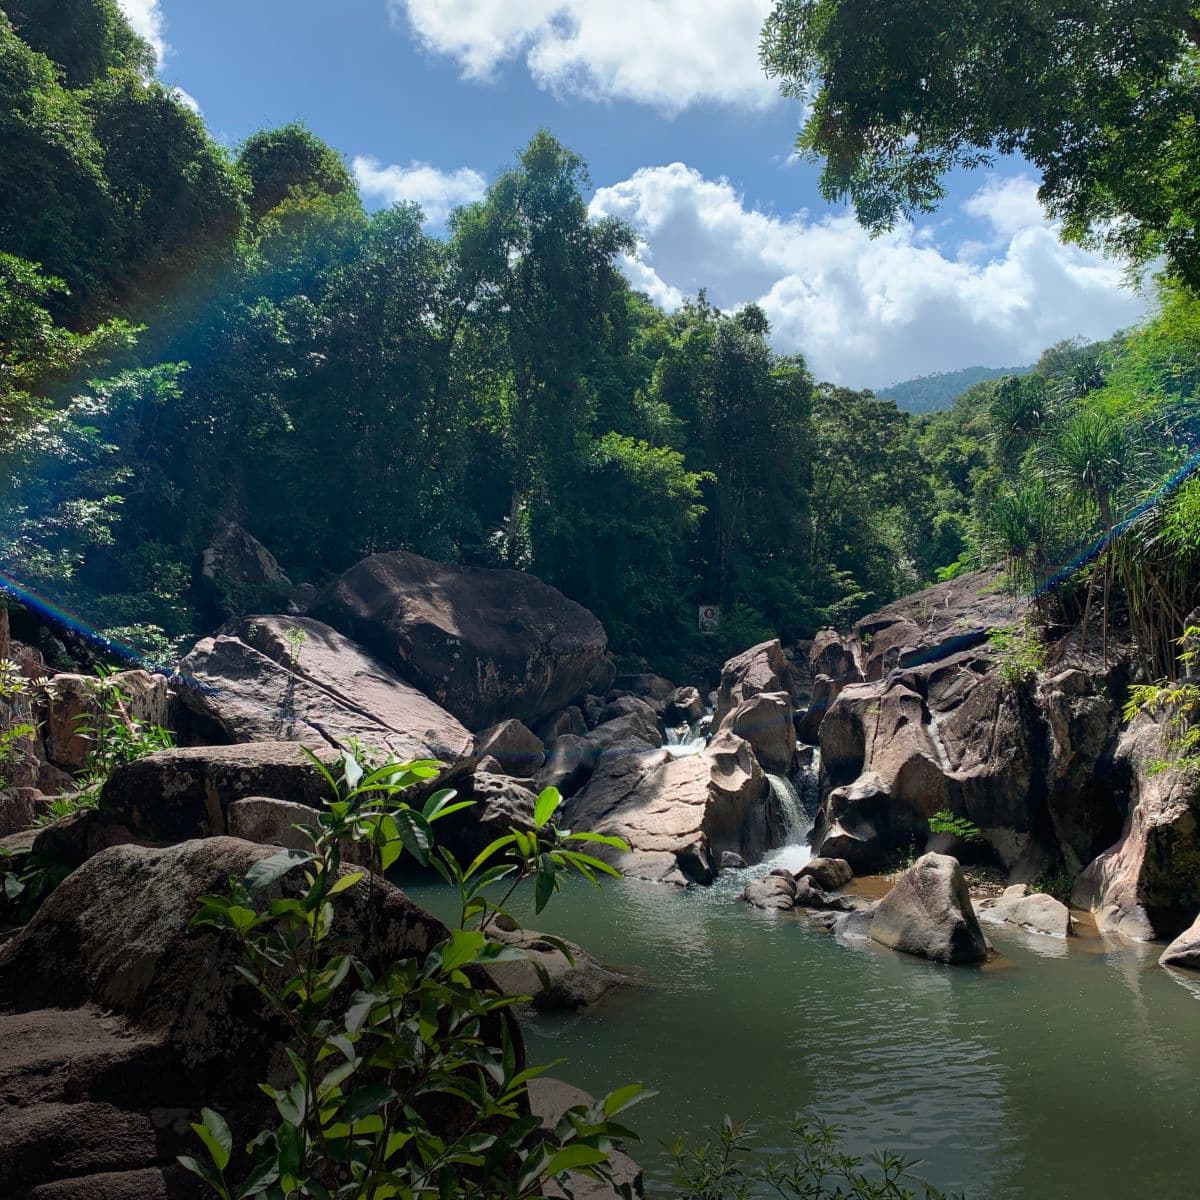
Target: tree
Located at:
point(277, 162)
point(1100, 95)
point(86, 38)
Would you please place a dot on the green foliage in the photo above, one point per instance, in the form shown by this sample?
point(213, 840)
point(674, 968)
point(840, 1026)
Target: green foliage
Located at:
point(370, 1048)
point(1099, 96)
point(725, 1168)
point(944, 821)
point(25, 883)
point(1179, 702)
point(933, 393)
point(1058, 884)
point(289, 162)
point(1019, 652)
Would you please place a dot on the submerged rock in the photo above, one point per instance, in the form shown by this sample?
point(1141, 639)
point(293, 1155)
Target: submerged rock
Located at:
point(1184, 951)
point(553, 981)
point(929, 914)
point(1033, 912)
point(486, 645)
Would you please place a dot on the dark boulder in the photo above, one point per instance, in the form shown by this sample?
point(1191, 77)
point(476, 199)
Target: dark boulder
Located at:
point(929, 914)
point(486, 645)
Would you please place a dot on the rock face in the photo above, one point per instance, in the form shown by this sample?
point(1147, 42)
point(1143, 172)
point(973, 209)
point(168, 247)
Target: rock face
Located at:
point(1034, 912)
point(119, 1021)
point(1147, 884)
point(928, 913)
point(186, 793)
point(762, 668)
point(765, 721)
point(500, 804)
point(295, 679)
point(1184, 951)
point(486, 645)
point(518, 750)
point(678, 814)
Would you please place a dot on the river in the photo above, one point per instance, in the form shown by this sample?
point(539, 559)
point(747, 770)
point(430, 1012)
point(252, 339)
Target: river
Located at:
point(1061, 1069)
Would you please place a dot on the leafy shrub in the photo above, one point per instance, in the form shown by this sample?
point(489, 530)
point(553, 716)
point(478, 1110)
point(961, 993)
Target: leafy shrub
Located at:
point(1180, 701)
point(367, 1047)
point(1020, 653)
point(960, 827)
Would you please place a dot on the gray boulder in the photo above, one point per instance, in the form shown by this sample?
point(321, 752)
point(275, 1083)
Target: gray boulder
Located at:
point(486, 645)
point(295, 679)
point(762, 668)
point(518, 750)
point(554, 982)
point(929, 913)
point(774, 892)
point(765, 721)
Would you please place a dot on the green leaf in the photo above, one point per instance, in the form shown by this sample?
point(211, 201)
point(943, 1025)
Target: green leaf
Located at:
point(274, 867)
point(500, 843)
point(367, 1100)
point(463, 946)
point(205, 1172)
point(546, 806)
point(414, 833)
point(547, 877)
point(571, 1157)
point(214, 1133)
point(346, 882)
point(625, 1097)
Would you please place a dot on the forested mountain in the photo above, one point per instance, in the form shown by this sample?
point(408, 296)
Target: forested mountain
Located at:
point(932, 393)
point(193, 336)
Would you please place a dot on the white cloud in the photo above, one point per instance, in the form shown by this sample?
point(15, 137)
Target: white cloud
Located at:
point(665, 53)
point(147, 19)
point(437, 192)
point(186, 99)
point(869, 312)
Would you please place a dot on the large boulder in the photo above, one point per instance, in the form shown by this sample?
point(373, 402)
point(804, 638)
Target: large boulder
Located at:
point(499, 804)
point(1147, 885)
point(569, 765)
point(295, 679)
point(119, 1020)
point(775, 893)
point(677, 814)
point(518, 750)
point(929, 913)
point(186, 793)
point(828, 873)
point(765, 721)
point(486, 645)
point(762, 668)
point(1184, 951)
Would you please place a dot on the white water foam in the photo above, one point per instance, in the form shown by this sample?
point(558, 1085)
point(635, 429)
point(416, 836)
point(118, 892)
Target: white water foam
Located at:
point(797, 825)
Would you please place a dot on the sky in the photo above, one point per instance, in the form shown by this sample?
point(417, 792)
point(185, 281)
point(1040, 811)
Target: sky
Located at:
point(686, 140)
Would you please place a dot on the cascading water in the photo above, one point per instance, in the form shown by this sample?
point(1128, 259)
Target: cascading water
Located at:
point(682, 740)
point(797, 824)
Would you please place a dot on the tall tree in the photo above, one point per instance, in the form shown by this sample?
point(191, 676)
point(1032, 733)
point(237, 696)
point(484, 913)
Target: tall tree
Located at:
point(1101, 96)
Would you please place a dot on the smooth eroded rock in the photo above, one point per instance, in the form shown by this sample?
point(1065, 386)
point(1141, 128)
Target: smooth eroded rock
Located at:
point(929, 913)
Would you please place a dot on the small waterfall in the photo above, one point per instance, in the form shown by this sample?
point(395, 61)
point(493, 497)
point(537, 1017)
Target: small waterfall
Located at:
point(683, 740)
point(797, 824)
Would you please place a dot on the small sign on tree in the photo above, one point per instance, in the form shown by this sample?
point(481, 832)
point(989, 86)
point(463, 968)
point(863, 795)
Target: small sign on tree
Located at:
point(710, 618)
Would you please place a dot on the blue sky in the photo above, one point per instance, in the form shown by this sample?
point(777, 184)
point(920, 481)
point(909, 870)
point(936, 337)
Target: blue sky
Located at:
point(685, 139)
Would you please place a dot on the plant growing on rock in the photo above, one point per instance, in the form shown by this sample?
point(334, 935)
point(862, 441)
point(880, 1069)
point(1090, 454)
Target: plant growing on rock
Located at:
point(374, 1053)
point(1020, 653)
point(1180, 702)
point(944, 821)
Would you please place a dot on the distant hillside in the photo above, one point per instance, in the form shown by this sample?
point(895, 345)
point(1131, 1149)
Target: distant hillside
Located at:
point(930, 393)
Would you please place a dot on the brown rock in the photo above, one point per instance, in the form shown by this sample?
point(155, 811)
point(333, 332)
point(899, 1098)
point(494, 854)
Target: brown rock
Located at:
point(518, 750)
point(1184, 951)
point(553, 981)
point(774, 892)
point(765, 721)
point(827, 873)
point(71, 698)
point(486, 645)
point(1032, 912)
point(762, 668)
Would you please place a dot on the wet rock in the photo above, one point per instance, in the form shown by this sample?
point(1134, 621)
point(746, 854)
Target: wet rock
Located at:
point(677, 814)
point(1184, 951)
point(765, 721)
point(295, 679)
point(776, 892)
point(762, 668)
point(929, 914)
point(849, 824)
point(486, 645)
point(827, 873)
point(186, 793)
point(554, 982)
point(1147, 885)
point(1033, 912)
point(808, 894)
point(121, 1019)
point(518, 750)
point(731, 861)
